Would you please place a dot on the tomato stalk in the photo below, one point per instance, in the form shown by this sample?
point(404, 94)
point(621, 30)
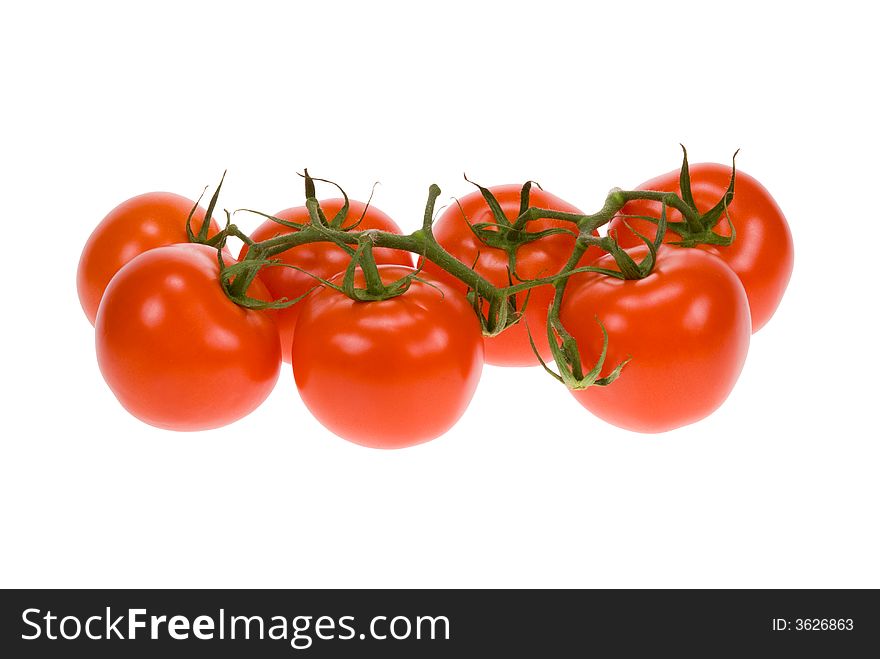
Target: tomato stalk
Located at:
point(496, 306)
point(423, 243)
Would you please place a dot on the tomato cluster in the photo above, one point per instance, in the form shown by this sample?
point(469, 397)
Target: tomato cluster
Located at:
point(648, 321)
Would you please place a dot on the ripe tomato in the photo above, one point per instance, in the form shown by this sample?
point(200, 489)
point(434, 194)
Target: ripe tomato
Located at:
point(762, 254)
point(685, 326)
point(322, 259)
point(391, 373)
point(149, 220)
point(540, 258)
point(176, 352)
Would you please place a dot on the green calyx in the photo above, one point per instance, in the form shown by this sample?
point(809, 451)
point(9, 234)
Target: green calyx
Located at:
point(508, 235)
point(374, 289)
point(699, 228)
point(500, 313)
point(629, 267)
point(202, 236)
point(567, 356)
point(563, 346)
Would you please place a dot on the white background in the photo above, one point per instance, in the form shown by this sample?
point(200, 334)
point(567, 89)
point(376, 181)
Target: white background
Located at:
point(779, 488)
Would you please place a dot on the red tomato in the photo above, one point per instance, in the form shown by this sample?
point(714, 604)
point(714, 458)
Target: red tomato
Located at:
point(685, 326)
point(540, 258)
point(762, 254)
point(176, 352)
point(322, 259)
point(392, 373)
point(149, 220)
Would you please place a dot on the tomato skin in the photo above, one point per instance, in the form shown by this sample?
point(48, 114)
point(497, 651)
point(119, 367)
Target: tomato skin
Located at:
point(388, 374)
point(686, 327)
point(139, 224)
point(176, 352)
point(539, 258)
point(762, 254)
point(322, 259)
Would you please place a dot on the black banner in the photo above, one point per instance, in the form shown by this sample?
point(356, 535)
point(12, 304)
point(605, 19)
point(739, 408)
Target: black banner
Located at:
point(434, 623)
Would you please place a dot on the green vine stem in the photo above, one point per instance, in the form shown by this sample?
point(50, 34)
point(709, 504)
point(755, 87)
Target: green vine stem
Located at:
point(509, 235)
